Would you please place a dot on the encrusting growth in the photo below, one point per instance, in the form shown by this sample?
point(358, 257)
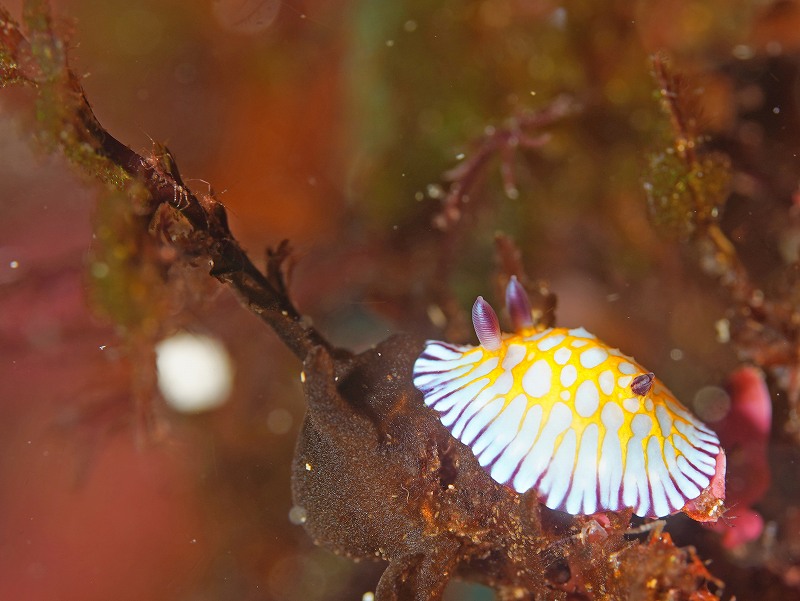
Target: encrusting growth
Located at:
point(558, 411)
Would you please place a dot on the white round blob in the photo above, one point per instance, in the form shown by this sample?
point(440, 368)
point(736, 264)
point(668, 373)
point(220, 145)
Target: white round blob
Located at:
point(297, 515)
point(195, 373)
point(712, 403)
point(279, 421)
point(246, 17)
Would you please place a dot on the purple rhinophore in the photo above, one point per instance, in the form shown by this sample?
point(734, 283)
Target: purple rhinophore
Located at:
point(487, 326)
point(518, 305)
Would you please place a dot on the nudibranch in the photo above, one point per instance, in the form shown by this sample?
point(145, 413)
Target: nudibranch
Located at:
point(558, 411)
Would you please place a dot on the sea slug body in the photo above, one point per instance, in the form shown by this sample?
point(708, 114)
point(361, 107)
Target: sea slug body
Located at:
point(558, 411)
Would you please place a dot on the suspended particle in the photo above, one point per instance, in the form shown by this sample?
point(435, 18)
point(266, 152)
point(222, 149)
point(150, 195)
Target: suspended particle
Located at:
point(298, 515)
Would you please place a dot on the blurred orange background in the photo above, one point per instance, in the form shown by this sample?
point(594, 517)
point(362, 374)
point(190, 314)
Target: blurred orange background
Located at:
point(325, 123)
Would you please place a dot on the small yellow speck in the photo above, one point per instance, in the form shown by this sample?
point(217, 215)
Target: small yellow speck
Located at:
point(302, 376)
point(308, 467)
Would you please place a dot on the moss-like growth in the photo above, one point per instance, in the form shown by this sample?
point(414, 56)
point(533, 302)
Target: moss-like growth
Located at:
point(686, 196)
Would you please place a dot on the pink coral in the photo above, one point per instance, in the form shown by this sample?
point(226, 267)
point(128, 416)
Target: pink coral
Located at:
point(744, 433)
